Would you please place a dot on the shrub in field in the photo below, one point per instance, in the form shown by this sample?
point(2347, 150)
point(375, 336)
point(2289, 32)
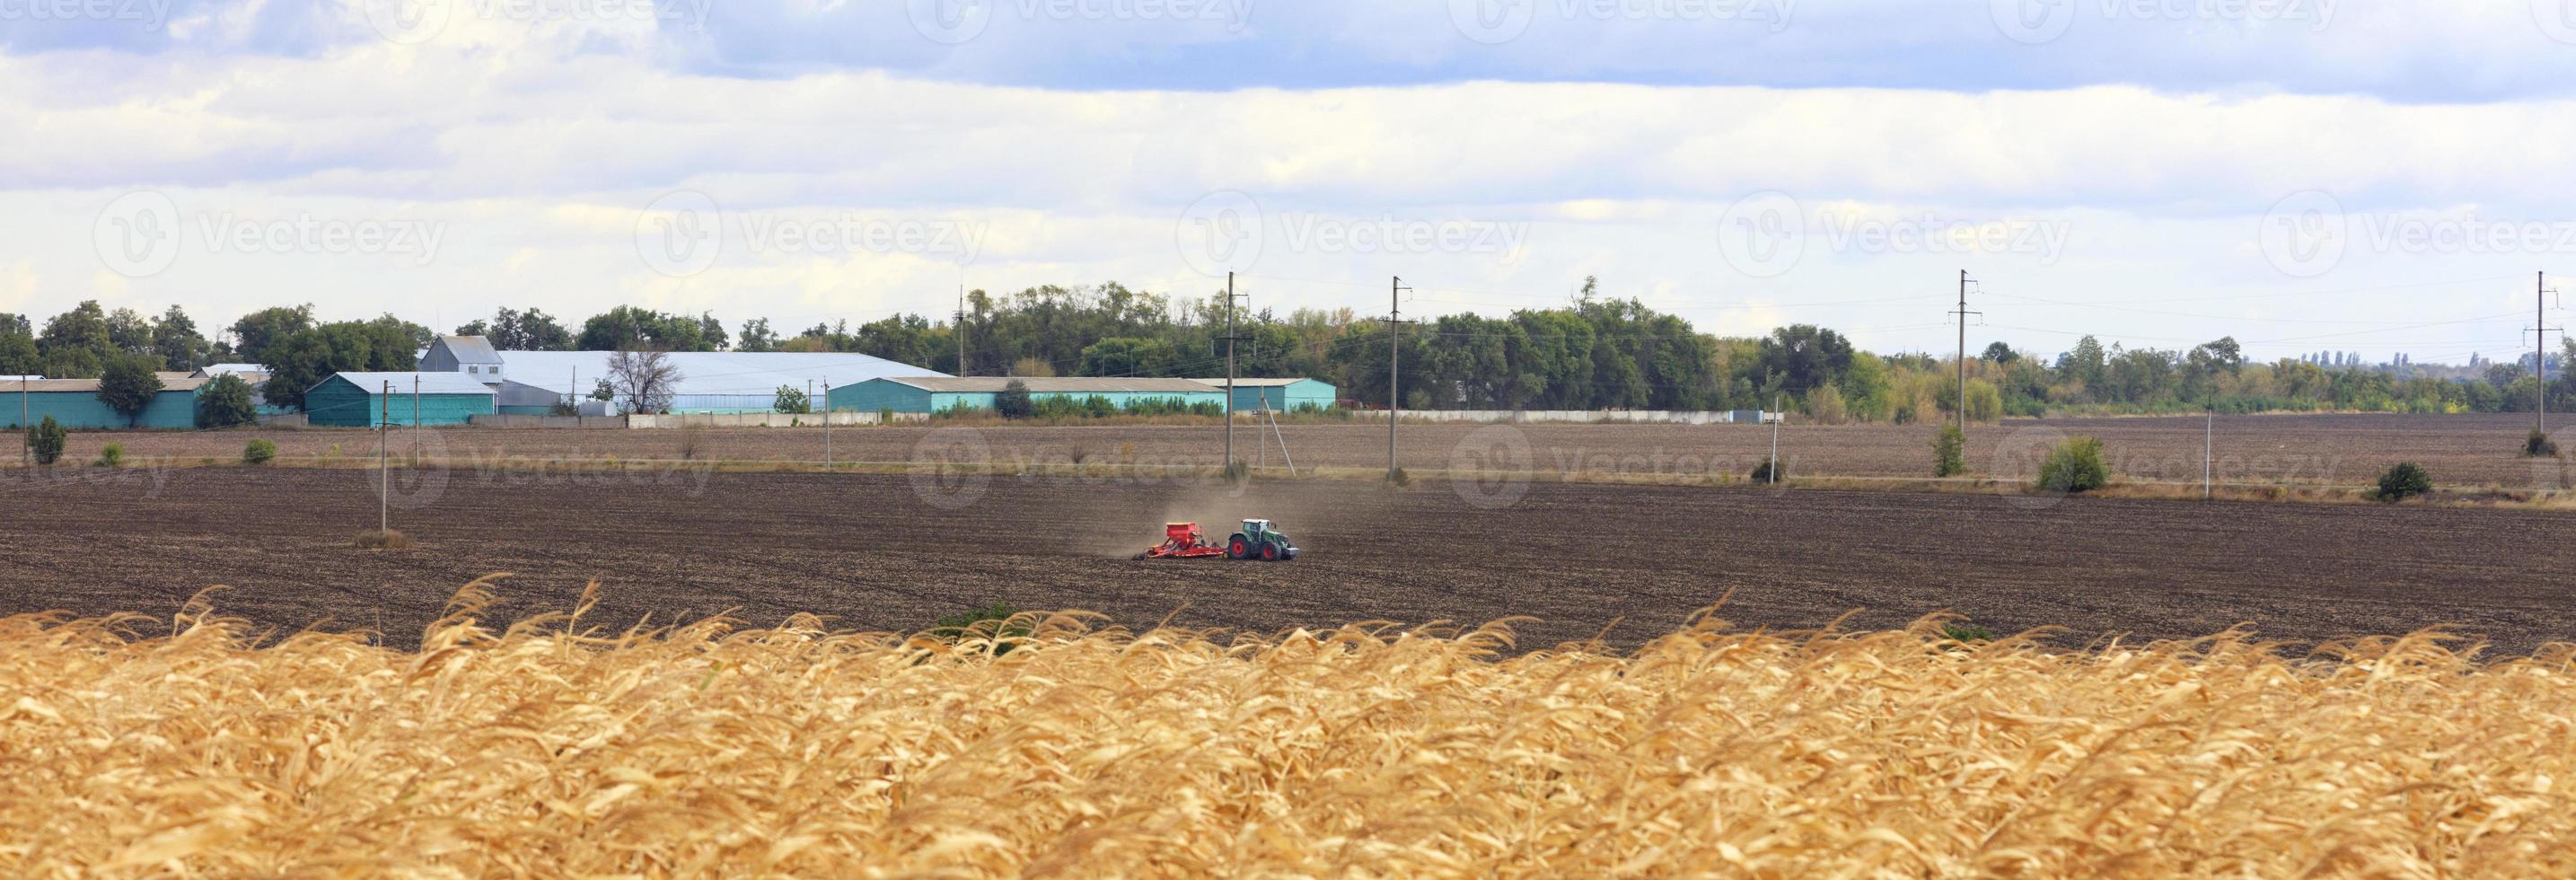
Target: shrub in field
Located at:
point(791, 400)
point(259, 452)
point(569, 745)
point(383, 539)
point(2538, 445)
point(1948, 452)
point(1762, 473)
point(1013, 401)
point(47, 439)
point(111, 455)
point(2074, 466)
point(225, 402)
point(2403, 480)
point(563, 408)
point(693, 442)
point(1398, 478)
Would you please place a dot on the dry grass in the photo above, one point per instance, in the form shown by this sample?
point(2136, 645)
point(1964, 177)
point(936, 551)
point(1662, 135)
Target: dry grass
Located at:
point(555, 748)
point(383, 539)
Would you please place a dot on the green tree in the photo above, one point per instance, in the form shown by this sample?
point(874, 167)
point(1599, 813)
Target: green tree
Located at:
point(629, 327)
point(1802, 356)
point(46, 439)
point(129, 384)
point(1999, 353)
point(255, 332)
point(1128, 356)
point(225, 402)
point(2074, 466)
point(2404, 480)
point(76, 344)
point(791, 400)
point(303, 359)
point(176, 340)
point(1013, 401)
point(1948, 452)
point(513, 330)
point(757, 337)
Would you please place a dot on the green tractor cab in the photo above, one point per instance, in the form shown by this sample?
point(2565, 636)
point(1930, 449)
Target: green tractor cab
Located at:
point(1259, 540)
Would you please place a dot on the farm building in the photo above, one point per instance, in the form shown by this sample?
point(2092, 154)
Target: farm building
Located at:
point(350, 400)
point(709, 381)
point(74, 404)
point(916, 394)
point(1283, 395)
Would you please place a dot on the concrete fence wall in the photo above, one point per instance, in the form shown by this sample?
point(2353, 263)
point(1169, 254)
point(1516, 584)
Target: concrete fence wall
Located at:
point(692, 420)
point(1577, 416)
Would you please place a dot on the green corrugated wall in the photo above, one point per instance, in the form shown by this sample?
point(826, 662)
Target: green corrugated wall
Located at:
point(82, 411)
point(338, 403)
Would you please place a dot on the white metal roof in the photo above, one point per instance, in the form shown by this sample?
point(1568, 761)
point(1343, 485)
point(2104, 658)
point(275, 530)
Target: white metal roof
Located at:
point(430, 383)
point(1056, 385)
point(729, 373)
point(1244, 382)
point(213, 370)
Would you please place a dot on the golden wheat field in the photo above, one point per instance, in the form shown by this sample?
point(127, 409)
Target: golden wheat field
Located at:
point(555, 747)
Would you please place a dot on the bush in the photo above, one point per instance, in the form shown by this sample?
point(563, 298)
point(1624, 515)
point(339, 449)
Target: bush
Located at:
point(259, 452)
point(2074, 466)
point(225, 402)
point(1761, 473)
point(995, 621)
point(1948, 450)
point(48, 439)
point(2403, 480)
point(564, 408)
point(2538, 445)
point(1966, 633)
point(792, 401)
point(1398, 478)
point(111, 455)
point(1013, 402)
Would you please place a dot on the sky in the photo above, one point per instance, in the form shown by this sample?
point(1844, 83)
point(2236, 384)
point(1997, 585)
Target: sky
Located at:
point(2302, 175)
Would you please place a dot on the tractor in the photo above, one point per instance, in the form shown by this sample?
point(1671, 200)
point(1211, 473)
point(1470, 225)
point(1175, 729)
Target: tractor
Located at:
point(1259, 540)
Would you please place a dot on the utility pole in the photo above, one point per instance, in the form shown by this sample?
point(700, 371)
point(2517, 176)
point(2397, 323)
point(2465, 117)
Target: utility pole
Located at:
point(1229, 372)
point(2540, 354)
point(1963, 314)
point(1394, 354)
point(827, 422)
point(415, 420)
point(27, 432)
point(2208, 444)
point(1778, 415)
point(384, 478)
point(961, 324)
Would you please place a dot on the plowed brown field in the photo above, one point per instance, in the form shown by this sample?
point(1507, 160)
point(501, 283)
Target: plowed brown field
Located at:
point(2466, 450)
point(895, 552)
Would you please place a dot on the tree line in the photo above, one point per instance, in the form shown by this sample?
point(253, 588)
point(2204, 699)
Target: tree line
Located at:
point(1593, 352)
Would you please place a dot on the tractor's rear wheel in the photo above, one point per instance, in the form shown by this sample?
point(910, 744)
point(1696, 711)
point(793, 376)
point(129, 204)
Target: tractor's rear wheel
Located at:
point(1237, 549)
